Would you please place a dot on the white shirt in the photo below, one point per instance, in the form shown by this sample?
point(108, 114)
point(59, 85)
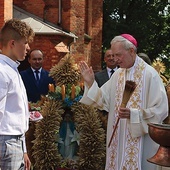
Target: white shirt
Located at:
point(109, 70)
point(14, 113)
point(39, 73)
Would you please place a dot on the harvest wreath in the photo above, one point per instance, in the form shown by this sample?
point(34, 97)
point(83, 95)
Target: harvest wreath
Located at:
point(60, 99)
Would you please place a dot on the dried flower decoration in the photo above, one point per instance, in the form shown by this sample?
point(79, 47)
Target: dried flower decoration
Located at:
point(65, 72)
point(66, 96)
point(160, 68)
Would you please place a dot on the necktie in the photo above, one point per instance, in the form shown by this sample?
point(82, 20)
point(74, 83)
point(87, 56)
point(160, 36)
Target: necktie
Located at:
point(111, 71)
point(37, 76)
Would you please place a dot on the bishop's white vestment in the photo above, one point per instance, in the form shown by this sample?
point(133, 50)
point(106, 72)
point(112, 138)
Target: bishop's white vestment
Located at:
point(131, 145)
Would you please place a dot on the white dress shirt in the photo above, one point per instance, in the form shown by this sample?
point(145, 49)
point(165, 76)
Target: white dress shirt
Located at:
point(14, 113)
point(39, 74)
point(109, 71)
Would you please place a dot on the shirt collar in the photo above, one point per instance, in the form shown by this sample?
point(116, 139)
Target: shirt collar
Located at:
point(109, 69)
point(35, 70)
point(10, 62)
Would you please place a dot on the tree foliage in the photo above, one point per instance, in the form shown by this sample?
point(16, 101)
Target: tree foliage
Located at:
point(147, 20)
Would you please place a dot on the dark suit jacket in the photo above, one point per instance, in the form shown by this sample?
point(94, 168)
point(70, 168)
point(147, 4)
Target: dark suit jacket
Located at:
point(35, 91)
point(101, 77)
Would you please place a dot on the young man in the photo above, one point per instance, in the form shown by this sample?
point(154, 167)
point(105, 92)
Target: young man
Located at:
point(131, 144)
point(35, 78)
point(14, 115)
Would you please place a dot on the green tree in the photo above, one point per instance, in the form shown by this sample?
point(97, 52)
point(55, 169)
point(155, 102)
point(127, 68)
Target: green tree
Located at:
point(147, 20)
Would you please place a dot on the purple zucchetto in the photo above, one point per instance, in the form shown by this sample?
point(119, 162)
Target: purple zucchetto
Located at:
point(130, 38)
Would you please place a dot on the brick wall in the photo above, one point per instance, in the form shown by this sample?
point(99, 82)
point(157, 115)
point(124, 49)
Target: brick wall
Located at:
point(81, 17)
point(97, 23)
point(35, 7)
point(5, 10)
point(77, 26)
point(1, 13)
point(47, 45)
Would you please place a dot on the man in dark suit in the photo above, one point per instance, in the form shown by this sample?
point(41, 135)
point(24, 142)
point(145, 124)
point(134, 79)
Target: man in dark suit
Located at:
point(35, 78)
point(103, 76)
point(111, 66)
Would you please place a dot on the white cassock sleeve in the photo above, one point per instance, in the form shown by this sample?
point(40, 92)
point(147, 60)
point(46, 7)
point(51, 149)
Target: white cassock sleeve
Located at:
point(154, 107)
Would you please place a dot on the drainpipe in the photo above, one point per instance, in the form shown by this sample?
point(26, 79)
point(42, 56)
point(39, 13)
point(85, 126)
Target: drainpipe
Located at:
point(59, 12)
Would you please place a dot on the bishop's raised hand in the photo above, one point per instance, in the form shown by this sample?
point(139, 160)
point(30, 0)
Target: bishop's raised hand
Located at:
point(87, 73)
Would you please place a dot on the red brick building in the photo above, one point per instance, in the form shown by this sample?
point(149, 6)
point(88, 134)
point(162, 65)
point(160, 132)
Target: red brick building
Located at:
point(75, 23)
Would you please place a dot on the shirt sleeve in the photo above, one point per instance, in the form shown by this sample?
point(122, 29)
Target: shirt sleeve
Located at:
point(24, 144)
point(3, 94)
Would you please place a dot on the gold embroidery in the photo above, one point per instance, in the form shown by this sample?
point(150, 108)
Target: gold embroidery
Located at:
point(113, 150)
point(131, 149)
point(132, 152)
